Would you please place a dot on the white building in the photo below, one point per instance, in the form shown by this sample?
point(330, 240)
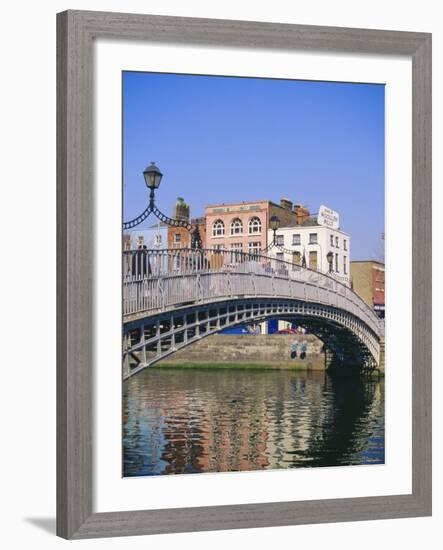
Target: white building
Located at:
point(313, 239)
point(154, 237)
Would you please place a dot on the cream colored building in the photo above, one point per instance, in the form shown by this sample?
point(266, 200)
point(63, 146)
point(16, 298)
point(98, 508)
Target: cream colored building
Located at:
point(313, 241)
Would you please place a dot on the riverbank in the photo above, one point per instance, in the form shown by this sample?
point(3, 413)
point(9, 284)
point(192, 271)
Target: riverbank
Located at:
point(304, 365)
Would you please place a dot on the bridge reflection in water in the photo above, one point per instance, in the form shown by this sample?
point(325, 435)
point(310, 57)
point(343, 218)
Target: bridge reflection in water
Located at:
point(180, 421)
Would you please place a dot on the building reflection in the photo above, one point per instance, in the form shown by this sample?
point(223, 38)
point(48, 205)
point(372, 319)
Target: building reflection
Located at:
point(180, 421)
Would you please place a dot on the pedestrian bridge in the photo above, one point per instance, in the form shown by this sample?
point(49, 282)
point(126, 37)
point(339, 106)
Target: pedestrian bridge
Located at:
point(172, 298)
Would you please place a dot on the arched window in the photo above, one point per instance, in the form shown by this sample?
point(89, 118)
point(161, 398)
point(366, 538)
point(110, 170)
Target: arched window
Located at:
point(218, 228)
point(236, 226)
point(254, 225)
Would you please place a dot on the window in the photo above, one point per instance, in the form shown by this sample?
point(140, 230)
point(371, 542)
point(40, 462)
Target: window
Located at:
point(218, 228)
point(236, 250)
point(332, 240)
point(313, 259)
point(296, 260)
point(280, 240)
point(336, 242)
point(254, 225)
point(345, 244)
point(254, 247)
point(296, 239)
point(345, 268)
point(140, 241)
point(280, 256)
point(177, 239)
point(236, 227)
point(313, 238)
point(336, 263)
point(158, 240)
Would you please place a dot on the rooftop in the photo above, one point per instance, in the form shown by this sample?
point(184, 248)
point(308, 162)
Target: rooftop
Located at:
point(218, 205)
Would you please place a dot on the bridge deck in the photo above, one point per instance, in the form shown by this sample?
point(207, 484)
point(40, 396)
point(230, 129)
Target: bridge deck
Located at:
point(161, 285)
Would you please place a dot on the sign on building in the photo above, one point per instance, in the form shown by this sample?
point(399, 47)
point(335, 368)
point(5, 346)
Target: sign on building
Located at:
point(328, 217)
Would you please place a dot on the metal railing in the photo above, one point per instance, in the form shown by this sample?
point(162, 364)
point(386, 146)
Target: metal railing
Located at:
point(157, 279)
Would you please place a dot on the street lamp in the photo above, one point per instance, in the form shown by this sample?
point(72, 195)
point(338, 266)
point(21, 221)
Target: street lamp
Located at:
point(274, 222)
point(153, 177)
point(330, 258)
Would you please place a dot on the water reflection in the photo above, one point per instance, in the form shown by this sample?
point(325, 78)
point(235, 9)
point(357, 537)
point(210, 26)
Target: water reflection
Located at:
point(200, 420)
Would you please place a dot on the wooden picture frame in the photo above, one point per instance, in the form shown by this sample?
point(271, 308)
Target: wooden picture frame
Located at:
point(76, 32)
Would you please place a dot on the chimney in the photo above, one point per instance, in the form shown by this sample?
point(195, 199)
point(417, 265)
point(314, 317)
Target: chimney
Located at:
point(286, 204)
point(301, 213)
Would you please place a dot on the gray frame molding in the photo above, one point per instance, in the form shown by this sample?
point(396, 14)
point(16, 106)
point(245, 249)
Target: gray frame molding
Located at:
point(76, 31)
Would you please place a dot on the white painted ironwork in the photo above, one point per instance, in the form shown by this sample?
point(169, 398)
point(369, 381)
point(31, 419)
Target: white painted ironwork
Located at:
point(159, 282)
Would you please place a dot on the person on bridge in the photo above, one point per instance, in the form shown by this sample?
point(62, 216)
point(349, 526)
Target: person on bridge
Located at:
point(140, 262)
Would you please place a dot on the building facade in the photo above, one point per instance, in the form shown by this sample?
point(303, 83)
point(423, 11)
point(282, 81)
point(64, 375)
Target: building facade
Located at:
point(308, 242)
point(180, 237)
point(154, 237)
point(243, 226)
point(368, 281)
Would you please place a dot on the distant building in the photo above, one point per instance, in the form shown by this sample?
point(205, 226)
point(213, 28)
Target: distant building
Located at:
point(154, 237)
point(243, 226)
point(368, 281)
point(308, 240)
point(180, 237)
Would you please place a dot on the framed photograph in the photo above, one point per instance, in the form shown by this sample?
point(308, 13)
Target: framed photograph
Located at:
point(244, 274)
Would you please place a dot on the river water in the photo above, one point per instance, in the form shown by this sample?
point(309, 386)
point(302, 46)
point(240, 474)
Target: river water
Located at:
point(178, 421)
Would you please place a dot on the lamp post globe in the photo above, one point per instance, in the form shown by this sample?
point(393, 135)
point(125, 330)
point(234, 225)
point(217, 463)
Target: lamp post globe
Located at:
point(152, 176)
point(274, 222)
point(330, 257)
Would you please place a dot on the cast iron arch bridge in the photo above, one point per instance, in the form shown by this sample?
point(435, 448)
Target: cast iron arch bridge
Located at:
point(173, 298)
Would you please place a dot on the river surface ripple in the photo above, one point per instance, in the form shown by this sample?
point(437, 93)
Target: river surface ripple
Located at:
point(179, 421)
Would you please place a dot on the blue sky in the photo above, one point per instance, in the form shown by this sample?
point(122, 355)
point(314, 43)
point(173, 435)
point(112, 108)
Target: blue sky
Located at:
point(223, 139)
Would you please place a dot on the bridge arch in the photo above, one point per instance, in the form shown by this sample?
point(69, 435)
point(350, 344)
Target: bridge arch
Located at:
point(150, 339)
point(173, 306)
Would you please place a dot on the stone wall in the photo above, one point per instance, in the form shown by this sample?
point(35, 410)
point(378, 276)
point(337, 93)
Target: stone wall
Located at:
point(261, 349)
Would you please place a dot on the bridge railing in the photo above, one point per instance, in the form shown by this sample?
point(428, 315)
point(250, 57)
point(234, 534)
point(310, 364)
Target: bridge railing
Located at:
point(151, 263)
point(155, 279)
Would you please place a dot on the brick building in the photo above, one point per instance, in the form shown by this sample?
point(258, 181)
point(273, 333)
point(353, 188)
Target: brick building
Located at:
point(368, 281)
point(243, 226)
point(180, 237)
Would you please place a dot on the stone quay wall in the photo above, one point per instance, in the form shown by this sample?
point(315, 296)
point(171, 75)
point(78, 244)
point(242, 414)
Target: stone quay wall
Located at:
point(259, 349)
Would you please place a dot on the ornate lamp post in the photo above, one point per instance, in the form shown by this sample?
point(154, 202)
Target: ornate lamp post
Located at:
point(274, 224)
point(330, 258)
point(153, 177)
